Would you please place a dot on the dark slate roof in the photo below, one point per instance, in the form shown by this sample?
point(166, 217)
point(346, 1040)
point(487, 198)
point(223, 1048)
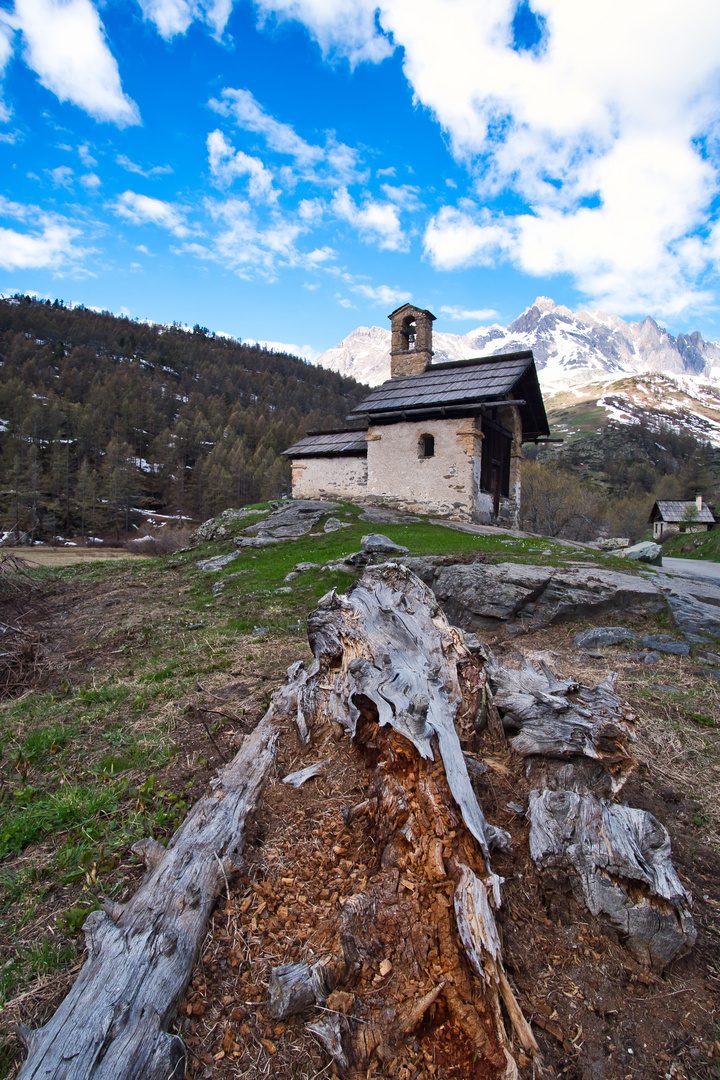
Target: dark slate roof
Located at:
point(453, 386)
point(674, 510)
point(329, 443)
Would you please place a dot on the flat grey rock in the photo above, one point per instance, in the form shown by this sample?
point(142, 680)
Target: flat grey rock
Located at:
point(651, 658)
point(383, 516)
point(603, 635)
point(292, 519)
point(209, 566)
point(254, 541)
point(611, 543)
point(663, 644)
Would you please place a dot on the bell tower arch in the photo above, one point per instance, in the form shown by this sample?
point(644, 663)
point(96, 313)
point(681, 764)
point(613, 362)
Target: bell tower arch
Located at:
point(411, 349)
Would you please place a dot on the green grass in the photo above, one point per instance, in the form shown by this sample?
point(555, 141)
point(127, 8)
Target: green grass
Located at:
point(704, 545)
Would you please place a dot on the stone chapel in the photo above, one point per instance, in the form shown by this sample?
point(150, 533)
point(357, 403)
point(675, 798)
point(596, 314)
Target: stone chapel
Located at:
point(443, 439)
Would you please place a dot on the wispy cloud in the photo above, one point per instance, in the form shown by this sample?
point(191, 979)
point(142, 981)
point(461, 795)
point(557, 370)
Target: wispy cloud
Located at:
point(458, 314)
point(130, 166)
point(173, 17)
point(65, 45)
point(6, 45)
point(383, 295)
point(250, 115)
point(227, 164)
point(62, 176)
point(375, 222)
point(142, 209)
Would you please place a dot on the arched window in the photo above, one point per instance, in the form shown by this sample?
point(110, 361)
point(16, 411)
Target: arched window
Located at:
point(409, 331)
point(426, 446)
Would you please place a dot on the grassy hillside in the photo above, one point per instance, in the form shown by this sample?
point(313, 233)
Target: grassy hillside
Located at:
point(694, 546)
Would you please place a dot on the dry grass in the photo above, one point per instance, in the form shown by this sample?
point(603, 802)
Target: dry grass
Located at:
point(68, 556)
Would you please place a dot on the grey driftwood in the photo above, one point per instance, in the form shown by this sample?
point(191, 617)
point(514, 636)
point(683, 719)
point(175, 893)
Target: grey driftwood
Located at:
point(609, 850)
point(616, 859)
point(113, 1023)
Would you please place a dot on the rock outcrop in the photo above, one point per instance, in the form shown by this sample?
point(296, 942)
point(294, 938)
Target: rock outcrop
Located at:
point(481, 596)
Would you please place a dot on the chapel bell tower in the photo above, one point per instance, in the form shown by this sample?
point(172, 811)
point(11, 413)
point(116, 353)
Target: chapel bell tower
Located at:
point(411, 342)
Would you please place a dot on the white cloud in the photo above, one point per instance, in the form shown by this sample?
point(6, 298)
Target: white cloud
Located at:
point(344, 302)
point(86, 157)
point(6, 45)
point(49, 244)
point(250, 115)
point(383, 295)
point(406, 196)
point(374, 221)
point(463, 315)
point(341, 27)
point(142, 209)
point(91, 181)
point(307, 352)
point(251, 248)
point(226, 164)
point(390, 171)
point(334, 164)
point(173, 17)
point(62, 176)
point(130, 166)
point(170, 16)
point(455, 238)
point(65, 46)
point(606, 135)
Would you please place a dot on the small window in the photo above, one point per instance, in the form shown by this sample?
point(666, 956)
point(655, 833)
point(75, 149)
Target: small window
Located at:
point(427, 446)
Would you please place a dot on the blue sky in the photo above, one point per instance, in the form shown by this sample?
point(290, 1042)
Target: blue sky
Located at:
point(287, 170)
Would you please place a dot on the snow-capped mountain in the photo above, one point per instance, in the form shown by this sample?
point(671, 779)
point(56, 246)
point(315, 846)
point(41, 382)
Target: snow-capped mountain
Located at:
point(569, 348)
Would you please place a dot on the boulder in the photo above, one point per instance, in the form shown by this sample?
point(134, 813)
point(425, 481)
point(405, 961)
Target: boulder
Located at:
point(647, 552)
point(603, 635)
point(333, 524)
point(481, 596)
point(225, 524)
point(377, 544)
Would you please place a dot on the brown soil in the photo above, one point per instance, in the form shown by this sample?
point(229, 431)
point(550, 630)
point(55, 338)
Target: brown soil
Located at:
point(597, 1014)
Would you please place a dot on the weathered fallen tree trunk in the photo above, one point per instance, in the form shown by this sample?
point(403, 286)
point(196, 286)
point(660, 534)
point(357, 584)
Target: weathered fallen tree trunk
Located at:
point(615, 859)
point(618, 862)
point(418, 945)
point(113, 1023)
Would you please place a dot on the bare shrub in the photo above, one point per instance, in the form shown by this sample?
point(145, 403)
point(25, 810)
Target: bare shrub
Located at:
point(159, 542)
point(556, 503)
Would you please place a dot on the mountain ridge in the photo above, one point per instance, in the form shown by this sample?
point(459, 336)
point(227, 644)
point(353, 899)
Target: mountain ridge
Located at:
point(569, 347)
